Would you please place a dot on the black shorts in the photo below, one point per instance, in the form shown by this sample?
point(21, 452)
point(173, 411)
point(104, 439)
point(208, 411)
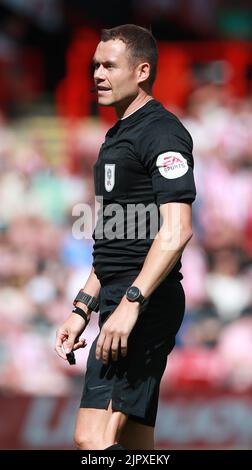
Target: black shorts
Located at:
point(132, 382)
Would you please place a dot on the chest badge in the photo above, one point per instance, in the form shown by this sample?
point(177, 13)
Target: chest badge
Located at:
point(109, 176)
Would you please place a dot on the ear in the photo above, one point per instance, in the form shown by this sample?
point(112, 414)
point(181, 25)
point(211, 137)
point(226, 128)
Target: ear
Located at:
point(143, 72)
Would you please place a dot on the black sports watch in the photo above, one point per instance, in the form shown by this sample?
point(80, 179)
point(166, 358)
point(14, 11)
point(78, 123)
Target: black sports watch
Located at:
point(133, 294)
point(91, 302)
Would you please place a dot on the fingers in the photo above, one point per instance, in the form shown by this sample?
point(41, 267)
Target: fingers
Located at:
point(103, 347)
point(69, 343)
point(98, 351)
point(80, 344)
point(107, 342)
point(115, 347)
point(61, 337)
point(124, 346)
point(66, 342)
point(106, 349)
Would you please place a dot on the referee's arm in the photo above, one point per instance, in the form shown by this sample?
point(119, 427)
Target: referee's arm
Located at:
point(92, 285)
point(67, 336)
point(166, 249)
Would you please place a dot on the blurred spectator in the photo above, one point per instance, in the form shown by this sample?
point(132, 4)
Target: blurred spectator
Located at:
point(227, 286)
point(235, 350)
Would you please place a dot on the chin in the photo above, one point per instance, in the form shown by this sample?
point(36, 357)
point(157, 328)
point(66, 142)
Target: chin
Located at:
point(105, 102)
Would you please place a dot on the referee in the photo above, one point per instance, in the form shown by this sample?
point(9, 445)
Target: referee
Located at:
point(144, 178)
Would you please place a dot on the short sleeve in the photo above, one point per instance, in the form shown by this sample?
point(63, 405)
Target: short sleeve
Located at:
point(165, 150)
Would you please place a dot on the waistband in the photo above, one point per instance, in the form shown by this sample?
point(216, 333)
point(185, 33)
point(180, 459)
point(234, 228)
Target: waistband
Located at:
point(118, 277)
point(121, 277)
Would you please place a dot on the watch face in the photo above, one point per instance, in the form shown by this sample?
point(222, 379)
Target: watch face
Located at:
point(133, 293)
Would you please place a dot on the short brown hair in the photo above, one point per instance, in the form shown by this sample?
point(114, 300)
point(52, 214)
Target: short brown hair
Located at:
point(140, 43)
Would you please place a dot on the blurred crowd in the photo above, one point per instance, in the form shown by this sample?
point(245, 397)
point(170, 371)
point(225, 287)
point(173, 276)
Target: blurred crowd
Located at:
point(43, 266)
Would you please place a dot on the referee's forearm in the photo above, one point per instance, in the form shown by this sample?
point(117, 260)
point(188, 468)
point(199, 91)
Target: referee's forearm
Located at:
point(159, 262)
point(92, 285)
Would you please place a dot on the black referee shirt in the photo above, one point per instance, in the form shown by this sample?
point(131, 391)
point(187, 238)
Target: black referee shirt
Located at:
point(146, 160)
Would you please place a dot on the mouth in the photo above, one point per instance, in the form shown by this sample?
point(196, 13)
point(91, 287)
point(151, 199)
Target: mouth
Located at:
point(103, 89)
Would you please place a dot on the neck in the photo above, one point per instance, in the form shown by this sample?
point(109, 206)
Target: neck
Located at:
point(129, 107)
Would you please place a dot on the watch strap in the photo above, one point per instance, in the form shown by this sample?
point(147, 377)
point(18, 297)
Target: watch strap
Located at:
point(140, 299)
point(91, 302)
point(83, 314)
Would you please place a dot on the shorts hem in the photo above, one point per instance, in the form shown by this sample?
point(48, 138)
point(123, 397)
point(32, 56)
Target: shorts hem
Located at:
point(135, 415)
point(132, 414)
point(102, 405)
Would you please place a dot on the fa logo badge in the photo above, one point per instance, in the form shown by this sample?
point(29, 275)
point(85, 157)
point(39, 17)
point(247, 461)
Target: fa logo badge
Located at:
point(109, 176)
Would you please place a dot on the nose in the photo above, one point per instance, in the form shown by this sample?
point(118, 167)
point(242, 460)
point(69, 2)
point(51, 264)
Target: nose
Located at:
point(99, 73)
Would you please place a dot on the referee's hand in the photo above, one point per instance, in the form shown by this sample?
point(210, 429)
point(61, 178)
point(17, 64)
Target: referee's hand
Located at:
point(67, 336)
point(114, 334)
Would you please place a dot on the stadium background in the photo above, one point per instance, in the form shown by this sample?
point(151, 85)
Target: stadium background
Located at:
point(50, 133)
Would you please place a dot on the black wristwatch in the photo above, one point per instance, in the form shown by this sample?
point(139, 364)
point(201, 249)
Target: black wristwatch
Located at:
point(91, 302)
point(133, 294)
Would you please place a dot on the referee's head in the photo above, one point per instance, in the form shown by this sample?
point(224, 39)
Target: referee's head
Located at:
point(140, 43)
point(125, 63)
